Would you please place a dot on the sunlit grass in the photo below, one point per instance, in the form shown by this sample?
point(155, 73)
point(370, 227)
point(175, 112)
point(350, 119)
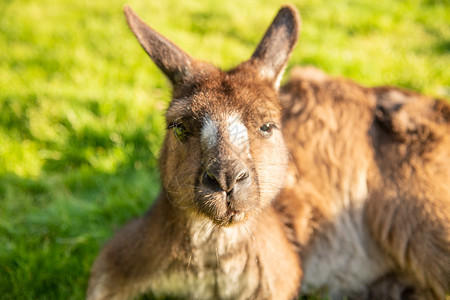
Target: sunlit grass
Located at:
point(81, 107)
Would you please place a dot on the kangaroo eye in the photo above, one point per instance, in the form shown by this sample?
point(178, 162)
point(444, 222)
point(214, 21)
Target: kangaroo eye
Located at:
point(267, 129)
point(180, 131)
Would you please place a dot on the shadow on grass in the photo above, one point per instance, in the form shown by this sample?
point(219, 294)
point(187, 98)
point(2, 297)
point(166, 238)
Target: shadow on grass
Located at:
point(53, 225)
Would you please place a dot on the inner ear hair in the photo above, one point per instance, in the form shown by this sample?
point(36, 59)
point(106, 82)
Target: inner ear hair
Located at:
point(273, 52)
point(176, 64)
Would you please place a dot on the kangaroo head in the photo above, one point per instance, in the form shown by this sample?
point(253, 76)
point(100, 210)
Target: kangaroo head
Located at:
point(223, 155)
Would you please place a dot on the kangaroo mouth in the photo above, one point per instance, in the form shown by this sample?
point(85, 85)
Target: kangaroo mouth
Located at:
point(231, 218)
point(221, 209)
point(236, 217)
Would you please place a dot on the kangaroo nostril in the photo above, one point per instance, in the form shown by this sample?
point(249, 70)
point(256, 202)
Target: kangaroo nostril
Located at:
point(210, 179)
point(210, 176)
point(224, 177)
point(243, 175)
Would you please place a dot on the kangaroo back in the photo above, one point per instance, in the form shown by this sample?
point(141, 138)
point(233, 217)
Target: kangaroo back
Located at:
point(369, 193)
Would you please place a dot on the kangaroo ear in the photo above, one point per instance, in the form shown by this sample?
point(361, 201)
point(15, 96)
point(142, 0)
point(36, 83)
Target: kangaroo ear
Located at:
point(174, 62)
point(274, 50)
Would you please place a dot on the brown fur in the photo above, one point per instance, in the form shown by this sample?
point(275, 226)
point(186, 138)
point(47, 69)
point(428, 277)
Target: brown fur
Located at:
point(337, 130)
point(188, 245)
point(373, 161)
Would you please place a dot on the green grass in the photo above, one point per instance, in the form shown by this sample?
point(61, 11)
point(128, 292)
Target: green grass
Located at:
point(81, 107)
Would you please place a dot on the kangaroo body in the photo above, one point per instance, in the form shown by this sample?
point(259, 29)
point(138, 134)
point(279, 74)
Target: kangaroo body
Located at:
point(322, 184)
point(197, 260)
point(371, 171)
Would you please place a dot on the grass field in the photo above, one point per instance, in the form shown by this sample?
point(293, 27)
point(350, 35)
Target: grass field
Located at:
point(81, 107)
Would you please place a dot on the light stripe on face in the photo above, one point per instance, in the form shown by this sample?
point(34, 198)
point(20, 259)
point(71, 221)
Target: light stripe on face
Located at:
point(231, 128)
point(209, 133)
point(237, 131)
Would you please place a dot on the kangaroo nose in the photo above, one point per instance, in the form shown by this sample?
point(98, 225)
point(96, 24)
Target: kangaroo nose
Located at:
point(225, 176)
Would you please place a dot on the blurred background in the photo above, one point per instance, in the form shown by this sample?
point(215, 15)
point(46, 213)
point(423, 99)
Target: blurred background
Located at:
point(81, 107)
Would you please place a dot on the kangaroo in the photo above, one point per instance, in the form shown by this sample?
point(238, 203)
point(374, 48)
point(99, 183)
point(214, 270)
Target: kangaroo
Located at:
point(320, 183)
point(213, 232)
